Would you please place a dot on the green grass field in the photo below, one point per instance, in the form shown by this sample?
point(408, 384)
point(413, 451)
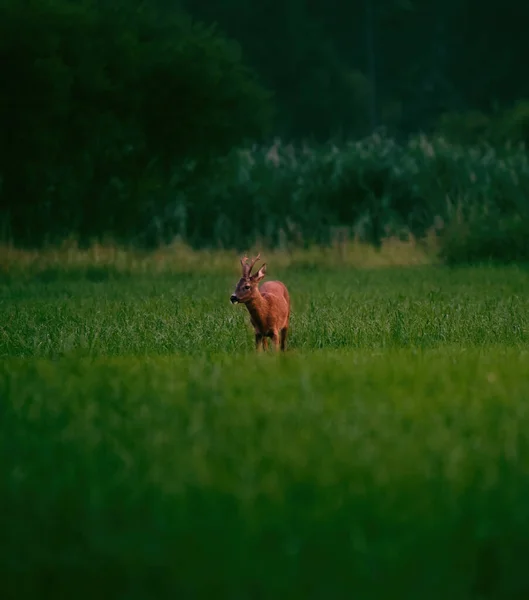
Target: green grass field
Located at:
point(147, 452)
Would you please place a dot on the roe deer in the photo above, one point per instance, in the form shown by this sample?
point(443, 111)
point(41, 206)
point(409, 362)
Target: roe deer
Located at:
point(269, 306)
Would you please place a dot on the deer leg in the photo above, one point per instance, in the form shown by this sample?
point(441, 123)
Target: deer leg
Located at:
point(265, 343)
point(259, 341)
point(275, 340)
point(283, 334)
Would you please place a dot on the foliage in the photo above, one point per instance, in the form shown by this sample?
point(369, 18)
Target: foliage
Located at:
point(513, 126)
point(487, 237)
point(371, 189)
point(509, 126)
point(99, 101)
point(287, 197)
point(469, 127)
point(349, 66)
point(385, 453)
point(129, 121)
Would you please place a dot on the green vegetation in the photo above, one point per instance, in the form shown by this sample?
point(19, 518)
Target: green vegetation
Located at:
point(136, 123)
point(147, 452)
point(182, 313)
point(349, 66)
point(475, 198)
point(286, 197)
point(101, 102)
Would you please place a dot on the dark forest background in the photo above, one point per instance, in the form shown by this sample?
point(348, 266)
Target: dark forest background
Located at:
point(348, 67)
point(224, 122)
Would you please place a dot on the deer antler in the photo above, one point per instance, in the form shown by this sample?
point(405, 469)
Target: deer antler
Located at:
point(253, 261)
point(245, 267)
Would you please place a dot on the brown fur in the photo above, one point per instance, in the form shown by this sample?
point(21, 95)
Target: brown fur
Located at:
point(269, 306)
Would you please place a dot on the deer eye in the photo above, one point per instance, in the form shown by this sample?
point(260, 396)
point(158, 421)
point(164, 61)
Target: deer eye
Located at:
point(247, 287)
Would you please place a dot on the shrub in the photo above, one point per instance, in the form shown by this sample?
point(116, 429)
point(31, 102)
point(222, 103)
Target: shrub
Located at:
point(371, 188)
point(466, 127)
point(487, 238)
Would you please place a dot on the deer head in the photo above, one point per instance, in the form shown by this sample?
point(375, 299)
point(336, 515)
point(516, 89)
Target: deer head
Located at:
point(247, 285)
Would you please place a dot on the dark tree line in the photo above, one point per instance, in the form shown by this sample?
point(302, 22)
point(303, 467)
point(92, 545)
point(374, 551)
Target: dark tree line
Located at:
point(111, 110)
point(340, 66)
point(100, 100)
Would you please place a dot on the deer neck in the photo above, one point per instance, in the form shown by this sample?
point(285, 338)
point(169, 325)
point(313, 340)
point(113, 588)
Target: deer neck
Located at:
point(257, 308)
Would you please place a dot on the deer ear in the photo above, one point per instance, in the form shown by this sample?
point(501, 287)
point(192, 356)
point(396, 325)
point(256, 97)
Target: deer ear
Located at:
point(260, 274)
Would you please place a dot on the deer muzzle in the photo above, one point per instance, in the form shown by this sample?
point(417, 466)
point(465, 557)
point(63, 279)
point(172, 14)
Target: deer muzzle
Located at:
point(233, 299)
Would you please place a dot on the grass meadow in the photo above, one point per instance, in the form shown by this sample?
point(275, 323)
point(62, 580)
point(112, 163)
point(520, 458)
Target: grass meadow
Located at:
point(148, 452)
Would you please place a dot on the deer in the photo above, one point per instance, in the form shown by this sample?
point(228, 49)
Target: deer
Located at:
point(269, 306)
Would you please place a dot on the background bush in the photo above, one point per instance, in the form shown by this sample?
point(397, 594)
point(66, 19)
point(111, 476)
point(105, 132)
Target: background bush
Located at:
point(372, 188)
